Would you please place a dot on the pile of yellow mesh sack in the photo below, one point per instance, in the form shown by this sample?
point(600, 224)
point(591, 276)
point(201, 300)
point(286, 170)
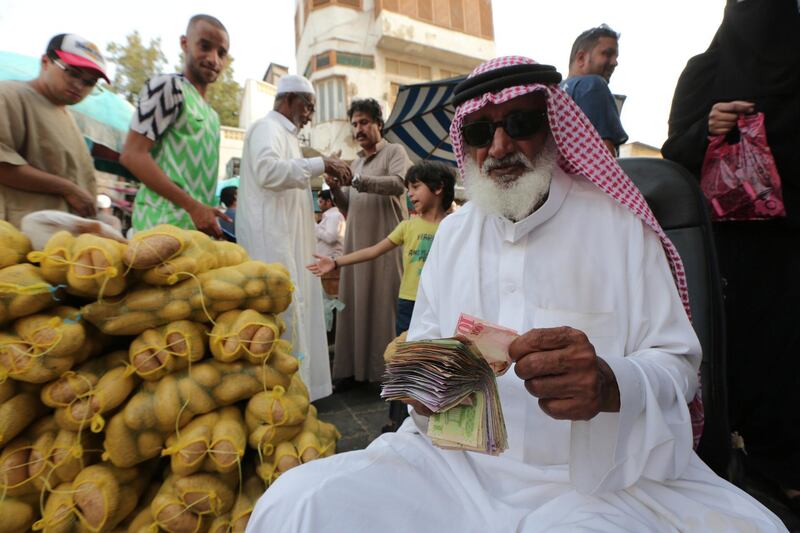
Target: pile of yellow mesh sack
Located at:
point(145, 387)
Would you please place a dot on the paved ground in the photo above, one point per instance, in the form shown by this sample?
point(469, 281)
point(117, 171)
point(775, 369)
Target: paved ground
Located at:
point(359, 413)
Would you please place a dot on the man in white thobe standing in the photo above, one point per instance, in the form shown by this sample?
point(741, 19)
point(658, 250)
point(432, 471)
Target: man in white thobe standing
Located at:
point(557, 243)
point(275, 218)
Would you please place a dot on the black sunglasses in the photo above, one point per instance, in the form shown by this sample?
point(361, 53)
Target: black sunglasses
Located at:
point(518, 125)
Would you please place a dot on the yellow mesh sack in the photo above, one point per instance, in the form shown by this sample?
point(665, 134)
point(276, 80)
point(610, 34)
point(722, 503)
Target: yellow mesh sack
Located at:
point(190, 503)
point(150, 248)
point(91, 266)
point(43, 457)
point(14, 245)
point(23, 291)
point(82, 396)
point(236, 520)
point(167, 254)
point(43, 346)
point(229, 253)
point(283, 459)
point(158, 409)
point(19, 514)
point(263, 287)
point(245, 334)
point(161, 351)
point(197, 256)
point(19, 407)
point(280, 406)
point(214, 442)
point(99, 498)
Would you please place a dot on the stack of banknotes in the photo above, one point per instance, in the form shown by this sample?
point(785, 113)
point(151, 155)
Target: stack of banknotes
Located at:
point(453, 378)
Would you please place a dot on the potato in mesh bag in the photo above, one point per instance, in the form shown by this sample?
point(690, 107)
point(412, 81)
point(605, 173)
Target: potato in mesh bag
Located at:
point(96, 387)
point(19, 407)
point(160, 351)
point(23, 291)
point(244, 334)
point(100, 497)
point(44, 346)
point(158, 409)
point(45, 456)
point(189, 504)
point(167, 254)
point(14, 245)
point(90, 265)
point(214, 442)
point(236, 520)
point(18, 514)
point(263, 287)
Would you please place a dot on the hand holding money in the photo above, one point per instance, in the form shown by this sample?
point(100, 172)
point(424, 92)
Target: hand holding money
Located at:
point(561, 369)
point(492, 340)
point(450, 378)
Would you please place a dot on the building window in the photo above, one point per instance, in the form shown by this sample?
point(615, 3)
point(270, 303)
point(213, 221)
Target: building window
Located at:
point(322, 60)
point(331, 58)
point(473, 17)
point(330, 99)
point(355, 60)
point(408, 70)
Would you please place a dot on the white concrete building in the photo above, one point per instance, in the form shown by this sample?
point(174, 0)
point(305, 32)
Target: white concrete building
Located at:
point(368, 48)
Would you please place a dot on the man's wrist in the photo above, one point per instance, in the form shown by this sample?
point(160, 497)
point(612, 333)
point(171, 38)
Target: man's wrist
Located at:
point(609, 389)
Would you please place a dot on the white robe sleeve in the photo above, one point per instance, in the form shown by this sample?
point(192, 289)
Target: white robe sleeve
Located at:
point(267, 150)
point(651, 436)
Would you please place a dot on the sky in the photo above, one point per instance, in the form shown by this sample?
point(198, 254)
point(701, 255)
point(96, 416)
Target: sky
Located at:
point(658, 37)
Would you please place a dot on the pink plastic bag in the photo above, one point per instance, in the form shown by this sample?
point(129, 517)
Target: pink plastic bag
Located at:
point(740, 179)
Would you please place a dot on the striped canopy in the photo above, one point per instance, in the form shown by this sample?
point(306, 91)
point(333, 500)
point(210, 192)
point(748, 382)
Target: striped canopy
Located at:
point(421, 118)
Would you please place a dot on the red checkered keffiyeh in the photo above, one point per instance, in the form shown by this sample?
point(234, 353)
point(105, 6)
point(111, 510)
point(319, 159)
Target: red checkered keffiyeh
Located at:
point(581, 151)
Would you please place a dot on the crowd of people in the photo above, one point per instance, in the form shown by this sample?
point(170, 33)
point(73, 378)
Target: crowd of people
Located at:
point(554, 242)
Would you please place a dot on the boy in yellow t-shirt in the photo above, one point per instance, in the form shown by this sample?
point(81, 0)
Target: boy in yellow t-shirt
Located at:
point(431, 188)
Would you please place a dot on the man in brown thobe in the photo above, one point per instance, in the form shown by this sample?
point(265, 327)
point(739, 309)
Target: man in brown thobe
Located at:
point(44, 161)
point(374, 203)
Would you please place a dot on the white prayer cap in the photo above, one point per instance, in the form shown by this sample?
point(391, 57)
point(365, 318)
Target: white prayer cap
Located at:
point(293, 83)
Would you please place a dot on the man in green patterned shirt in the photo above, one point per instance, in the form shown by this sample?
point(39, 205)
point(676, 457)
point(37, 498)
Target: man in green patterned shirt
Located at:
point(173, 142)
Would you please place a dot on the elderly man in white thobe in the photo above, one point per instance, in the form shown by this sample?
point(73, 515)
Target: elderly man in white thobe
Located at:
point(557, 243)
point(275, 218)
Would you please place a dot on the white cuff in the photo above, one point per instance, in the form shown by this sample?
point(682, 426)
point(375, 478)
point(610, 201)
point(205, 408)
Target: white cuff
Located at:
point(595, 450)
point(316, 166)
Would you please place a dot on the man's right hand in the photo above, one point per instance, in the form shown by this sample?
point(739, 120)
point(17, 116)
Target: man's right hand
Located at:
point(723, 115)
point(81, 201)
point(338, 169)
point(205, 219)
point(418, 407)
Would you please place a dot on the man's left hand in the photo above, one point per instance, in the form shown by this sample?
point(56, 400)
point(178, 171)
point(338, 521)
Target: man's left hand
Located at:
point(561, 369)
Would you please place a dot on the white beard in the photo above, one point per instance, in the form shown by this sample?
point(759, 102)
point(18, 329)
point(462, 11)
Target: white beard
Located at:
point(515, 199)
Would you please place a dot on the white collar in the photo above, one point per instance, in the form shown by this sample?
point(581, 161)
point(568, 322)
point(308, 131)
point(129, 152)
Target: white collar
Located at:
point(285, 122)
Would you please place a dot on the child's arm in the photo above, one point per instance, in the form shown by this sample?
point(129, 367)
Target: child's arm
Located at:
point(326, 264)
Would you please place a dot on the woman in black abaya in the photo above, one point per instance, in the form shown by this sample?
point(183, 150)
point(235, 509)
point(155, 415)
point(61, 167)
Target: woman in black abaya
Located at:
point(753, 65)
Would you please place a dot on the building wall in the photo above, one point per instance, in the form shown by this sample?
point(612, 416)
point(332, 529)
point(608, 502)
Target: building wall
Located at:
point(231, 144)
point(355, 49)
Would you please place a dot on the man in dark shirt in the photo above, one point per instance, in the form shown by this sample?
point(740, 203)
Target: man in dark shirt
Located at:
point(592, 61)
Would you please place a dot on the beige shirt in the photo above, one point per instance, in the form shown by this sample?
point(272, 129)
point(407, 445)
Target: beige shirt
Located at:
point(36, 132)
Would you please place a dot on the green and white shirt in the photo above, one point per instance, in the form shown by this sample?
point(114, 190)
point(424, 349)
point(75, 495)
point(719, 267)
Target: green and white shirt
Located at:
point(185, 129)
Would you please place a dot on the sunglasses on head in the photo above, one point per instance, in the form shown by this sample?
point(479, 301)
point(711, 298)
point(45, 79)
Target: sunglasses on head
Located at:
point(517, 125)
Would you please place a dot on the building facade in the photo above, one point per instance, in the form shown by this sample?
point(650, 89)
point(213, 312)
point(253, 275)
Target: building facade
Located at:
point(353, 49)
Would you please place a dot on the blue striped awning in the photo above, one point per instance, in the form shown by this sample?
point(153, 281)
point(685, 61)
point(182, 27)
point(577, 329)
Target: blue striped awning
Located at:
point(421, 118)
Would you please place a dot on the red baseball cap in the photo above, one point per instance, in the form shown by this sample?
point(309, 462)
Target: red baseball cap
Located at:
point(78, 52)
